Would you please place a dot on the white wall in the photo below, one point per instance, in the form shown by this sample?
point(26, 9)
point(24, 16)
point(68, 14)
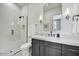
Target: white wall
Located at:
point(9, 13)
point(66, 25)
point(35, 10)
point(24, 12)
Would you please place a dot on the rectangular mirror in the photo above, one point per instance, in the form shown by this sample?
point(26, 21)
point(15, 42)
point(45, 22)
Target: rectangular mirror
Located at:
point(52, 16)
point(56, 23)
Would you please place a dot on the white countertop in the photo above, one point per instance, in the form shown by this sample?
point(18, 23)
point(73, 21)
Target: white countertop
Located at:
point(63, 40)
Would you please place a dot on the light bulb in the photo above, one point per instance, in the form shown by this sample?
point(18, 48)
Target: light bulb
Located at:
point(67, 14)
point(67, 11)
point(41, 17)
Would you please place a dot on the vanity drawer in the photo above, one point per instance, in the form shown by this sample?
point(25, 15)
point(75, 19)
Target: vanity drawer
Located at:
point(54, 45)
point(35, 47)
point(41, 42)
point(70, 49)
point(35, 41)
point(45, 43)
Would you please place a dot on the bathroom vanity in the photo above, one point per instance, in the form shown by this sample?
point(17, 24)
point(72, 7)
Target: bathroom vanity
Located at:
point(54, 47)
point(54, 22)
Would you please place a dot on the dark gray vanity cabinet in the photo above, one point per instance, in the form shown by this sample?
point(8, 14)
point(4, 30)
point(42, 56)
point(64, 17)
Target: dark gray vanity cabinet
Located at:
point(41, 48)
point(35, 47)
point(54, 52)
point(45, 48)
point(54, 49)
point(69, 50)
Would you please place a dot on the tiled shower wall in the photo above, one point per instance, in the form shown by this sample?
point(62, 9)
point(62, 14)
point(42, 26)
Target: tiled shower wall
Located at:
point(9, 15)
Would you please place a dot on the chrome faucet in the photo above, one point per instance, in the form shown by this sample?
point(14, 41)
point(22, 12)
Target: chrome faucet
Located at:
point(51, 33)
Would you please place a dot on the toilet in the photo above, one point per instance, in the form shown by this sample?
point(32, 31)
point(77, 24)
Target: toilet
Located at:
point(26, 49)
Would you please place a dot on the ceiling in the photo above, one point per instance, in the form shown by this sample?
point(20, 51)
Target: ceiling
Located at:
point(20, 4)
point(50, 6)
point(47, 5)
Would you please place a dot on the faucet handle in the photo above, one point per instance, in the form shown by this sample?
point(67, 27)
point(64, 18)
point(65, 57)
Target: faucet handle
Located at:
point(58, 35)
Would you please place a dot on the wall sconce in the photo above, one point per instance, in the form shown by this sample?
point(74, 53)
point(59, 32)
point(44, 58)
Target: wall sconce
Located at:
point(41, 18)
point(76, 18)
point(67, 14)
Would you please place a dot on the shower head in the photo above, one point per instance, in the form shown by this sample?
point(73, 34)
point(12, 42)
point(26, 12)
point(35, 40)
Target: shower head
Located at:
point(21, 17)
